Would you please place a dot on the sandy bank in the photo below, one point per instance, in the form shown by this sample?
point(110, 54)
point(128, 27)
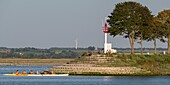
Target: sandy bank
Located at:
point(34, 62)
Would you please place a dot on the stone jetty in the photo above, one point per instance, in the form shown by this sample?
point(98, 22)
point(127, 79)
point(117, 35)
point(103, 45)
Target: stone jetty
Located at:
point(95, 65)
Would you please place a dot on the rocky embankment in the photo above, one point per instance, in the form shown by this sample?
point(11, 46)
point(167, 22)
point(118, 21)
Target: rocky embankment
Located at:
point(96, 65)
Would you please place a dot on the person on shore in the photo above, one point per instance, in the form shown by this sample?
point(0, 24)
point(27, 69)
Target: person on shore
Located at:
point(31, 72)
point(17, 72)
point(24, 72)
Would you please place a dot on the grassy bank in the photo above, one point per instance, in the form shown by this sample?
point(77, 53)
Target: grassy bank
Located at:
point(34, 62)
point(118, 65)
point(156, 64)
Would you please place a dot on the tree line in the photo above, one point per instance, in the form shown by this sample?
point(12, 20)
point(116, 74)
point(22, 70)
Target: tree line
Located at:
point(30, 52)
point(54, 52)
point(135, 22)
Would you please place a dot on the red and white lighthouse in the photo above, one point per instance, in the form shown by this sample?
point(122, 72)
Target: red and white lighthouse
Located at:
point(105, 30)
point(107, 46)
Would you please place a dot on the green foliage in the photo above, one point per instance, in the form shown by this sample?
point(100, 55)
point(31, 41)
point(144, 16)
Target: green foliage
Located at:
point(91, 48)
point(66, 54)
point(164, 17)
point(156, 31)
point(38, 53)
point(85, 54)
point(129, 19)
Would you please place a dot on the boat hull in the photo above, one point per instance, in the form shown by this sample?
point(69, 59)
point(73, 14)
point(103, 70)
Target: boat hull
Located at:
point(37, 75)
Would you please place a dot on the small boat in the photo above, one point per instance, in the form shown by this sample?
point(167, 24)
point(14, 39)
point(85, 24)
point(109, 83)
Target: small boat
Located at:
point(37, 75)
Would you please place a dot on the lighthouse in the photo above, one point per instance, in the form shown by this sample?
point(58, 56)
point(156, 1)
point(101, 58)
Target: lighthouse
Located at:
point(105, 30)
point(107, 46)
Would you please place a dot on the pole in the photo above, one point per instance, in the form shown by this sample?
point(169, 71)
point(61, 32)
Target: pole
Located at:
point(76, 44)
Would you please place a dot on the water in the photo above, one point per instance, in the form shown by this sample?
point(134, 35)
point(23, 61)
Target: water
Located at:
point(75, 80)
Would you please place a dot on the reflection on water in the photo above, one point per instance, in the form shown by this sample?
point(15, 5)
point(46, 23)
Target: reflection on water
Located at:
point(76, 80)
point(84, 80)
point(107, 78)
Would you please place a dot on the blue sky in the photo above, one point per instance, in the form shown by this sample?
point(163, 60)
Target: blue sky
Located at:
point(58, 23)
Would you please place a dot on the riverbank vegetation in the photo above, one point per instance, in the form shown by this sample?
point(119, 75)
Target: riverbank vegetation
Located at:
point(156, 64)
point(30, 52)
point(139, 65)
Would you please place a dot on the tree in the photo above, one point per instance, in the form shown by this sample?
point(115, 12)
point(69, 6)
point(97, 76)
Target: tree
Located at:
point(126, 19)
point(91, 48)
point(145, 21)
point(164, 17)
point(155, 32)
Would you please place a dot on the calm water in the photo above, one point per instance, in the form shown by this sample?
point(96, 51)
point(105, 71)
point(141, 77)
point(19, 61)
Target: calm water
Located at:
point(75, 80)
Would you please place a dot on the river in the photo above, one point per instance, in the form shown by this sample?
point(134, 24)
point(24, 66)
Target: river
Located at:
point(76, 80)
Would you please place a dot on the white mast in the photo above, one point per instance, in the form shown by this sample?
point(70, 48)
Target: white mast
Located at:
point(76, 44)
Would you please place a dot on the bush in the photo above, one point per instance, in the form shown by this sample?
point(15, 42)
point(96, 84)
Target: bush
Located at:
point(85, 54)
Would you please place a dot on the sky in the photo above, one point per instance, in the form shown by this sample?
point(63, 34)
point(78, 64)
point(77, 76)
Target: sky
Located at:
point(58, 23)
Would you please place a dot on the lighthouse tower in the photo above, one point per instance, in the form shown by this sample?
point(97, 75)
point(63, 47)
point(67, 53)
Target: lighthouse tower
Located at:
point(105, 30)
point(107, 46)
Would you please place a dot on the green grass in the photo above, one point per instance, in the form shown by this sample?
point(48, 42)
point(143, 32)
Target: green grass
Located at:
point(157, 64)
point(152, 65)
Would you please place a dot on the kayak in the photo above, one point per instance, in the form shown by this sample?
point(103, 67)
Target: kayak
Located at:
point(37, 75)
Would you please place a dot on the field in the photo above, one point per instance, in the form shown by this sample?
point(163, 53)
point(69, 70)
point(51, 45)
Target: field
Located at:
point(34, 62)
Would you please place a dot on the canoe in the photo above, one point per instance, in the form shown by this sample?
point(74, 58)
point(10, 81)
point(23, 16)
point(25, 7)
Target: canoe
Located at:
point(37, 75)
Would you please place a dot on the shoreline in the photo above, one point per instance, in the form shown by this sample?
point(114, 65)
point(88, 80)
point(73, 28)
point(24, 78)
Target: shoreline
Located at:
point(62, 63)
point(32, 62)
point(100, 74)
point(118, 75)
